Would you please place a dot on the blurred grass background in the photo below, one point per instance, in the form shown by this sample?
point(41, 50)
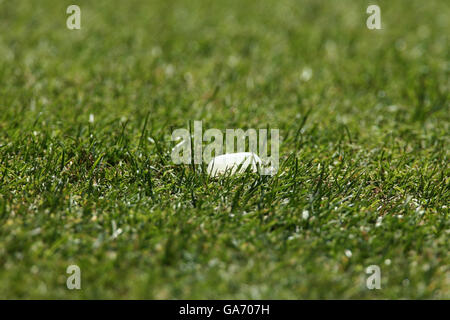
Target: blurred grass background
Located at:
point(364, 117)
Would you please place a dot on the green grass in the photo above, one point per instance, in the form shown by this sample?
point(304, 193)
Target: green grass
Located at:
point(365, 140)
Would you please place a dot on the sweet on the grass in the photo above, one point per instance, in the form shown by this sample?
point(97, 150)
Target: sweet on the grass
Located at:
point(234, 163)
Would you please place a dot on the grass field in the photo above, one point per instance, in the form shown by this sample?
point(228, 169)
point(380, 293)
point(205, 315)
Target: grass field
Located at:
point(86, 176)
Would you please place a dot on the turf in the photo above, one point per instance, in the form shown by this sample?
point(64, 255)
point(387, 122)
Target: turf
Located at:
point(363, 179)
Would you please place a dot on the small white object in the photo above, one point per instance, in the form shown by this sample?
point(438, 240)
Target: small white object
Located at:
point(230, 162)
point(305, 214)
point(307, 74)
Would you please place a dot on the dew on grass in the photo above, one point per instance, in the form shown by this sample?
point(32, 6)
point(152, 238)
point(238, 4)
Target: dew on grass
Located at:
point(348, 253)
point(305, 214)
point(307, 74)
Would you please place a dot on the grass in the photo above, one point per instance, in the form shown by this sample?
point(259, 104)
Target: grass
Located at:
point(364, 121)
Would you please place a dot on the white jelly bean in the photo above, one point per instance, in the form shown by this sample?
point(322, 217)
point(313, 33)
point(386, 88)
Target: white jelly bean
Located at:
point(229, 163)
